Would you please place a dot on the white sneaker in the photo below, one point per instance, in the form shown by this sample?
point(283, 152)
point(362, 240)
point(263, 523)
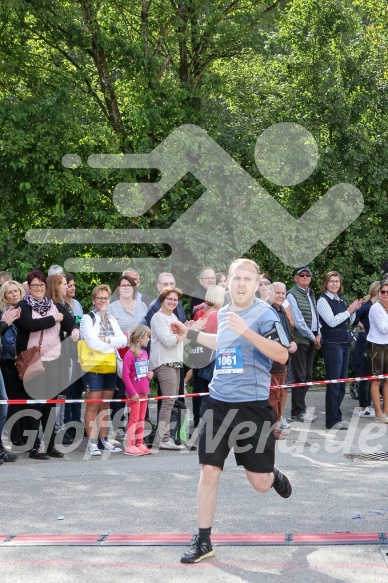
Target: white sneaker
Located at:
point(367, 412)
point(170, 444)
point(103, 444)
point(307, 417)
point(93, 449)
point(283, 423)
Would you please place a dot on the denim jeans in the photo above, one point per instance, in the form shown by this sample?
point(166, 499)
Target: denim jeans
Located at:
point(3, 408)
point(336, 357)
point(73, 410)
point(360, 365)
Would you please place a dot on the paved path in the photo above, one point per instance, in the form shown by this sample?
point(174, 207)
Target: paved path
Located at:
point(156, 494)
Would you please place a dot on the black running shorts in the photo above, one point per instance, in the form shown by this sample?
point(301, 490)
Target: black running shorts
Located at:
point(247, 427)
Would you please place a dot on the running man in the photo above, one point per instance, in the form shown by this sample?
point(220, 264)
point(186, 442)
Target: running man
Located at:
point(249, 338)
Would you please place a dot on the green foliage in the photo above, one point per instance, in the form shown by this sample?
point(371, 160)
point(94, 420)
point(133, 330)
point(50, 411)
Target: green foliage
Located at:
point(97, 76)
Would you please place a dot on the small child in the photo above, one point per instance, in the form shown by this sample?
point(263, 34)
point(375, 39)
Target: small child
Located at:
point(136, 377)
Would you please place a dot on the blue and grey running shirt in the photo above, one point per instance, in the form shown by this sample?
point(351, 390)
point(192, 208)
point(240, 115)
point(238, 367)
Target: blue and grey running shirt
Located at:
point(242, 372)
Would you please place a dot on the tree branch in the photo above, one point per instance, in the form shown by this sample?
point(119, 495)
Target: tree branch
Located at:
point(272, 7)
point(100, 60)
point(144, 26)
point(162, 69)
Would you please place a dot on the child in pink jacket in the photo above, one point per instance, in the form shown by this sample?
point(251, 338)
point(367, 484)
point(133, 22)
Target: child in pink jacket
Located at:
point(136, 377)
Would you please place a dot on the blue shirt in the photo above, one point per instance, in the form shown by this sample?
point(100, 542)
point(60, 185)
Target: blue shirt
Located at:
point(254, 382)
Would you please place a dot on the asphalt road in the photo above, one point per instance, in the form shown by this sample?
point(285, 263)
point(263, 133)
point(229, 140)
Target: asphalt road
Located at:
point(334, 490)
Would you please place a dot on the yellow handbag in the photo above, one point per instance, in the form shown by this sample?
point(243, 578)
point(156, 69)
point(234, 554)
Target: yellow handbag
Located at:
point(95, 361)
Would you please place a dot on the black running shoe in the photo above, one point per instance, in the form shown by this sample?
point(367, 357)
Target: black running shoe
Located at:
point(198, 551)
point(281, 484)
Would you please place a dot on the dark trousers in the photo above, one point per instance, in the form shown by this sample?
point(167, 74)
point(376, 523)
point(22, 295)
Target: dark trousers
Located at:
point(336, 357)
point(360, 365)
point(15, 390)
point(73, 410)
point(302, 367)
point(118, 408)
point(200, 385)
point(45, 384)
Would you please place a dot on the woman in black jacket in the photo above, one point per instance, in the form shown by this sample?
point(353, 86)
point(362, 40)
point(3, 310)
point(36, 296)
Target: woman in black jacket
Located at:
point(43, 322)
point(7, 320)
point(11, 292)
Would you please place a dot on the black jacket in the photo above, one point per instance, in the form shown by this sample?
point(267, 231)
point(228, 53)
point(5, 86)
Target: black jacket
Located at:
point(197, 297)
point(26, 324)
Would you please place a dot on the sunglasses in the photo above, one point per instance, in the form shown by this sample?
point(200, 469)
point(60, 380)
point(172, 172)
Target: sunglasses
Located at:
point(384, 292)
point(304, 275)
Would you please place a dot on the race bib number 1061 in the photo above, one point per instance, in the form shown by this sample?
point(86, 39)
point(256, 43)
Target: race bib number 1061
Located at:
point(229, 360)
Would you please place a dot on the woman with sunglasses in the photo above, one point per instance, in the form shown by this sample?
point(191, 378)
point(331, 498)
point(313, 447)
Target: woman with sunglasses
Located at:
point(335, 319)
point(359, 355)
point(377, 351)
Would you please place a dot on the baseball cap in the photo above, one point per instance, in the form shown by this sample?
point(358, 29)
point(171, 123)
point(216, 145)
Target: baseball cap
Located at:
point(299, 270)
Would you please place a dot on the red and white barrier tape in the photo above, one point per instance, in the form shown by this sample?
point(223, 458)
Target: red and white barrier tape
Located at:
point(128, 399)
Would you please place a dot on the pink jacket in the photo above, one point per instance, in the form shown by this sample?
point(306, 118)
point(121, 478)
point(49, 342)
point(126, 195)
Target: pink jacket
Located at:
point(134, 370)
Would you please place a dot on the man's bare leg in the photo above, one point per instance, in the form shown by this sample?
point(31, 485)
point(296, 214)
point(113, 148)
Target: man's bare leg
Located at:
point(262, 482)
point(207, 495)
point(201, 547)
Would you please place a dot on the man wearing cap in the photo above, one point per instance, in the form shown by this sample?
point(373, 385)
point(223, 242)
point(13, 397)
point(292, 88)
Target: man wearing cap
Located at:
point(306, 333)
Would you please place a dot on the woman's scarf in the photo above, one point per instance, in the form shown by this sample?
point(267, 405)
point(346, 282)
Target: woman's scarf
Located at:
point(40, 306)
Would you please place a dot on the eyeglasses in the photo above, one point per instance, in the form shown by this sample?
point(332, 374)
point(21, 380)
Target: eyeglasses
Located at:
point(384, 292)
point(304, 274)
point(36, 285)
point(125, 286)
point(210, 278)
point(102, 299)
point(334, 281)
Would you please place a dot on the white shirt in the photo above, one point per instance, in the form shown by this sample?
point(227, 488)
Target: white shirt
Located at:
point(378, 319)
point(164, 346)
point(90, 333)
point(326, 313)
point(300, 323)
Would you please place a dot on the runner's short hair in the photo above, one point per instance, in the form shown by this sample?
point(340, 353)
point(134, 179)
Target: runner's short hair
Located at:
point(241, 261)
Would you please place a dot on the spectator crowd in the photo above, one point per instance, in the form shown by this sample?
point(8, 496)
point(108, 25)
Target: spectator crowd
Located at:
point(134, 340)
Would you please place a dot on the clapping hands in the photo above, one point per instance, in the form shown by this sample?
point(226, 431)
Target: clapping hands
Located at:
point(11, 315)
